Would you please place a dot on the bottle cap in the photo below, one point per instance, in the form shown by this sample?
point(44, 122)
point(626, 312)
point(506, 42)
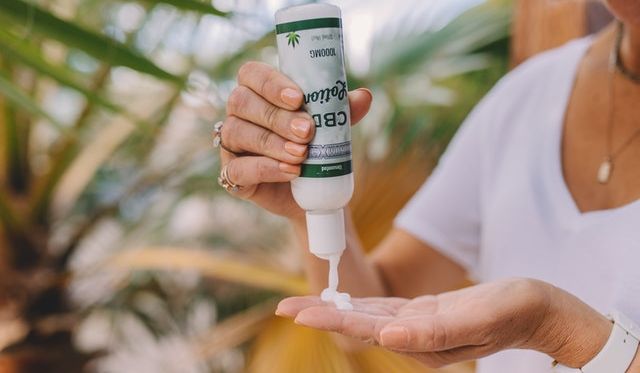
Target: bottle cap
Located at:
point(326, 233)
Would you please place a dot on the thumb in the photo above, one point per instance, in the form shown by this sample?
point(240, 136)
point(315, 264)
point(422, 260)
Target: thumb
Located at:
point(360, 102)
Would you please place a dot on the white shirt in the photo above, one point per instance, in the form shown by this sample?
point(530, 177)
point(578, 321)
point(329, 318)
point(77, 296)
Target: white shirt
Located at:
point(497, 203)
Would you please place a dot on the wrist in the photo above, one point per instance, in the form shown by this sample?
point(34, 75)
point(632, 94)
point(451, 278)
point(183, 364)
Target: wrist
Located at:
point(571, 332)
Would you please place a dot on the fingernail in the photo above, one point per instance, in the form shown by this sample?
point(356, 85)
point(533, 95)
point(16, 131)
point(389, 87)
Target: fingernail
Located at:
point(366, 91)
point(289, 168)
point(394, 336)
point(301, 319)
point(291, 96)
point(301, 127)
point(295, 149)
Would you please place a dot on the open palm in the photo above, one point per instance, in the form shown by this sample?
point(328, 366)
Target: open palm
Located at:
point(438, 330)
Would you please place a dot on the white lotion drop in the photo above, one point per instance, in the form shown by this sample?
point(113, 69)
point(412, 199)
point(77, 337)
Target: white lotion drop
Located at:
point(331, 293)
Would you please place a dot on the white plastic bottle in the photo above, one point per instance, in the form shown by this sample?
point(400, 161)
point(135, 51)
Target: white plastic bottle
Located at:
point(310, 49)
point(311, 53)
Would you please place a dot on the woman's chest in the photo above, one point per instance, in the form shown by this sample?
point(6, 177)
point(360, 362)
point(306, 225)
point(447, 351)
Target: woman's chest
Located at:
point(601, 141)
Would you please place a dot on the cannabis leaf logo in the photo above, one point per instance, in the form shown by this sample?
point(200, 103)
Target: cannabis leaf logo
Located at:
point(293, 39)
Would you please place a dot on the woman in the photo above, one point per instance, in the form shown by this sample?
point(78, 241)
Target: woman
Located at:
point(537, 197)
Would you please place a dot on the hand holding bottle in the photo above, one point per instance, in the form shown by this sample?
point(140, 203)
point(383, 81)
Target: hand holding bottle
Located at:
point(266, 134)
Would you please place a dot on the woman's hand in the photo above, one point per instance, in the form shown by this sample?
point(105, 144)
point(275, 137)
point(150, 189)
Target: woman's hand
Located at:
point(467, 324)
point(266, 134)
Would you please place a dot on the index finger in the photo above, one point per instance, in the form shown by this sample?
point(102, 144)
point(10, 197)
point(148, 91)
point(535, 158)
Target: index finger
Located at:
point(271, 84)
point(362, 325)
point(290, 307)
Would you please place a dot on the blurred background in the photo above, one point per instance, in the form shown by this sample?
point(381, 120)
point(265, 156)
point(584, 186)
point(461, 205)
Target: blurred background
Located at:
point(118, 250)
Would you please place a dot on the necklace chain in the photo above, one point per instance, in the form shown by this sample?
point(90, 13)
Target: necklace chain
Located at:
point(615, 64)
point(619, 65)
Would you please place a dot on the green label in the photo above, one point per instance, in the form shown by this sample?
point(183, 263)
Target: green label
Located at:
point(307, 24)
point(326, 170)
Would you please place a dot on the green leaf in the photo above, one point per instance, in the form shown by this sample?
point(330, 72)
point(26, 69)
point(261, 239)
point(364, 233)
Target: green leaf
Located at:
point(467, 33)
point(293, 39)
point(99, 46)
point(22, 52)
point(12, 94)
point(190, 5)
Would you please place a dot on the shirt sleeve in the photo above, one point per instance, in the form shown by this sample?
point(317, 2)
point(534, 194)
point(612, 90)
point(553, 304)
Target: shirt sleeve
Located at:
point(446, 212)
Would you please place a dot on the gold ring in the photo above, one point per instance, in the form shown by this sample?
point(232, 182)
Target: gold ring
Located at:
point(225, 182)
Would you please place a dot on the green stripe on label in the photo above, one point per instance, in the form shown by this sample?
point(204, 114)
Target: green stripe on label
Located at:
point(326, 170)
point(308, 24)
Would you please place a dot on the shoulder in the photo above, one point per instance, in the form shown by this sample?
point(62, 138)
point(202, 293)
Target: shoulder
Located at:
point(553, 67)
point(539, 84)
point(519, 101)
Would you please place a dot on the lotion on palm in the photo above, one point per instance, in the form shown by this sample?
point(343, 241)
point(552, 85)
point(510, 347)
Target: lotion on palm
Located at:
point(311, 53)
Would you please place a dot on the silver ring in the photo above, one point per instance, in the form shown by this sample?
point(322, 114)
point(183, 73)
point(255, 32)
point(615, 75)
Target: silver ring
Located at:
point(225, 182)
point(217, 134)
point(217, 137)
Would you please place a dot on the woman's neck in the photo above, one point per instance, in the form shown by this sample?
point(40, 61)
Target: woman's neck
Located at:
point(630, 49)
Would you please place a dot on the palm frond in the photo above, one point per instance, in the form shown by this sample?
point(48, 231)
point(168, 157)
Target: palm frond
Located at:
point(467, 33)
point(20, 51)
point(103, 48)
point(210, 265)
point(191, 5)
point(84, 166)
point(20, 99)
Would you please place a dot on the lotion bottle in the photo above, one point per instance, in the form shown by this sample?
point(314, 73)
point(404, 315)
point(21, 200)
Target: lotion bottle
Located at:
point(311, 53)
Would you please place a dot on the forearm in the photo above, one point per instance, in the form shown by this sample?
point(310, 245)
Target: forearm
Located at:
point(401, 266)
point(358, 276)
point(411, 268)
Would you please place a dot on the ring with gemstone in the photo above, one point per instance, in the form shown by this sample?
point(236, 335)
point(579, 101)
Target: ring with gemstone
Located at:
point(225, 182)
point(217, 137)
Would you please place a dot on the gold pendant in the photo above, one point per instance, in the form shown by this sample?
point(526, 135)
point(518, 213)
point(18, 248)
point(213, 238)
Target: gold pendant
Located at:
point(604, 172)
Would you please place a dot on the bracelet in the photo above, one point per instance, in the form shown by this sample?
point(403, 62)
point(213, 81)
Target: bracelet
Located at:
point(617, 354)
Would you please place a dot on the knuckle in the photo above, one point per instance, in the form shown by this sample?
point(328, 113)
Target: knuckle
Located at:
point(245, 70)
point(234, 171)
point(271, 116)
point(439, 336)
point(263, 169)
point(264, 140)
point(229, 131)
point(237, 99)
point(487, 335)
point(268, 82)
